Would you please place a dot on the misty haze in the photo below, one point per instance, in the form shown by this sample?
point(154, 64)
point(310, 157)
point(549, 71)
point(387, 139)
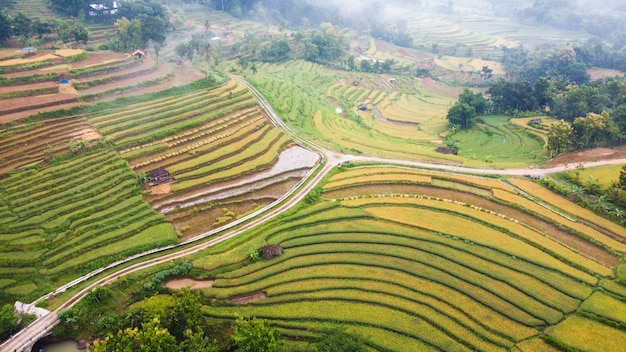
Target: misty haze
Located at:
point(299, 175)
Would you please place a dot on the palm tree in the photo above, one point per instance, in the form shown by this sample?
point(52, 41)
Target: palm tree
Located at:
point(618, 213)
point(576, 192)
point(142, 177)
point(601, 204)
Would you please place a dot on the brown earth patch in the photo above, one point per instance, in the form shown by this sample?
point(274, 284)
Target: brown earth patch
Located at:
point(99, 57)
point(594, 154)
point(439, 88)
point(182, 282)
point(31, 86)
point(38, 103)
point(4, 118)
point(247, 298)
point(164, 188)
point(551, 230)
point(599, 73)
point(161, 71)
point(182, 76)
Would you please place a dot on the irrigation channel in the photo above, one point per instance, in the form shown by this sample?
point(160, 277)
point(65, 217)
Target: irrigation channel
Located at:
point(23, 340)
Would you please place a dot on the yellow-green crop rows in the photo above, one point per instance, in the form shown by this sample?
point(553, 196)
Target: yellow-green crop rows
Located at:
point(63, 220)
point(436, 273)
point(203, 139)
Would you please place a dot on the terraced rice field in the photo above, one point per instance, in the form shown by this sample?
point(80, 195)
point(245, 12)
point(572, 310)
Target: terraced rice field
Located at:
point(498, 140)
point(63, 220)
point(225, 157)
point(25, 145)
point(32, 84)
point(416, 261)
point(307, 95)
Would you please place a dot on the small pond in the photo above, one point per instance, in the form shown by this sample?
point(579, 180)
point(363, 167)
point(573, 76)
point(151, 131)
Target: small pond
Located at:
point(63, 346)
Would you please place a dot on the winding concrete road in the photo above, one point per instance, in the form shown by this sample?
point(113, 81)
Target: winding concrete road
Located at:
point(25, 338)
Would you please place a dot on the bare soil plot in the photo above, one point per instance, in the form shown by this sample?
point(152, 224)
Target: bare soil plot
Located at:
point(178, 283)
point(160, 72)
point(599, 73)
point(99, 57)
point(29, 145)
point(247, 298)
point(4, 118)
point(594, 154)
point(439, 88)
point(14, 109)
point(182, 76)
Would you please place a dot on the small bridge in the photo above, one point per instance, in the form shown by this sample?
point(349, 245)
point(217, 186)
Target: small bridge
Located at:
point(23, 342)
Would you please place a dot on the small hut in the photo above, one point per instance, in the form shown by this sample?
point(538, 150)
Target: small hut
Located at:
point(139, 54)
point(271, 251)
point(158, 176)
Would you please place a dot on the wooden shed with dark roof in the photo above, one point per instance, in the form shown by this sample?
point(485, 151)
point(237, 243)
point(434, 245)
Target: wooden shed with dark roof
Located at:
point(158, 176)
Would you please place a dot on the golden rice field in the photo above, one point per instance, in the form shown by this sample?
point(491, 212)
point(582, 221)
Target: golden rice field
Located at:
point(437, 261)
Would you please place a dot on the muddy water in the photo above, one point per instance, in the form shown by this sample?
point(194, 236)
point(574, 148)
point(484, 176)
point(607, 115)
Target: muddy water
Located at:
point(65, 346)
point(291, 159)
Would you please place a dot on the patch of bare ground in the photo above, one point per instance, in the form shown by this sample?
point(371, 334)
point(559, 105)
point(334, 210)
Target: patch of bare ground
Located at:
point(31, 86)
point(594, 154)
point(247, 298)
point(144, 65)
point(599, 73)
point(165, 188)
point(581, 245)
point(38, 104)
point(439, 88)
point(182, 282)
point(28, 147)
point(198, 220)
point(99, 57)
point(195, 220)
point(182, 76)
point(161, 71)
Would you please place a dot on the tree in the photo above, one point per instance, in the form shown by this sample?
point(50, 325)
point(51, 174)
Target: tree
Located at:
point(622, 178)
point(8, 321)
point(197, 342)
point(185, 315)
point(22, 25)
point(475, 100)
point(462, 114)
point(152, 337)
point(5, 27)
point(255, 335)
point(589, 130)
point(129, 32)
point(559, 138)
point(277, 51)
point(64, 30)
point(80, 32)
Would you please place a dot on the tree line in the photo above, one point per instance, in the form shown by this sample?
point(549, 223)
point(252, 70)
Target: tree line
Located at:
point(30, 30)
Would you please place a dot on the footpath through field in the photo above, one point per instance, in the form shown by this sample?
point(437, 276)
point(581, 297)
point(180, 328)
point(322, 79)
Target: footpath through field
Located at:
point(30, 334)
